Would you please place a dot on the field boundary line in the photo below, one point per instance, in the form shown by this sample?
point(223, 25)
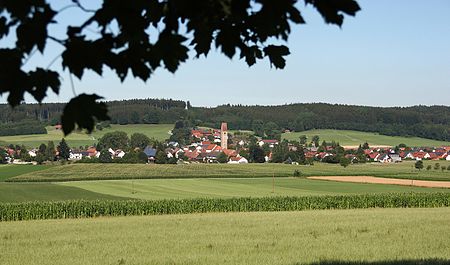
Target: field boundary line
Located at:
point(389, 181)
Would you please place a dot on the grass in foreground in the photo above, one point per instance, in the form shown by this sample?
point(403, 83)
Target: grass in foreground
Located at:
point(76, 139)
point(141, 171)
point(355, 138)
point(368, 236)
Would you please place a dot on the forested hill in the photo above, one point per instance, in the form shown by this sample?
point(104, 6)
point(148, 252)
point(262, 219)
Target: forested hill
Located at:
point(121, 112)
point(429, 122)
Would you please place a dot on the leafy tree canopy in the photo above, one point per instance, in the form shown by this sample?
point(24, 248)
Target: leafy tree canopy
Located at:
point(114, 140)
point(139, 140)
point(137, 37)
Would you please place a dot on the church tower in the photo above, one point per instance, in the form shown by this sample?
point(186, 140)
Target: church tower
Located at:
point(224, 135)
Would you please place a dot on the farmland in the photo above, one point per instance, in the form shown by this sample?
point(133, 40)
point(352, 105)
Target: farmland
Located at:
point(150, 182)
point(23, 192)
point(355, 138)
point(154, 171)
point(225, 218)
point(157, 131)
point(9, 171)
point(227, 188)
point(368, 236)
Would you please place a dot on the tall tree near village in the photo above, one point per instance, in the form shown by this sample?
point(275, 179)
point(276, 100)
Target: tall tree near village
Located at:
point(138, 37)
point(50, 152)
point(64, 150)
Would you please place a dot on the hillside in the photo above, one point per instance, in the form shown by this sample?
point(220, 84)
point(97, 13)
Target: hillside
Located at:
point(157, 131)
point(355, 138)
point(432, 122)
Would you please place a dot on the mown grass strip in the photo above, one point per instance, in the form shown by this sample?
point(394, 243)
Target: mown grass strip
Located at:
point(86, 209)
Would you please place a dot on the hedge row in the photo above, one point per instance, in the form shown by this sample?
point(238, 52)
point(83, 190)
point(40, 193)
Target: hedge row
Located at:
point(85, 209)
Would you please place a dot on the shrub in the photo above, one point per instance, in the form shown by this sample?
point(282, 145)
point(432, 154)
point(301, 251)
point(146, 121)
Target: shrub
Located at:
point(437, 166)
point(297, 173)
point(418, 165)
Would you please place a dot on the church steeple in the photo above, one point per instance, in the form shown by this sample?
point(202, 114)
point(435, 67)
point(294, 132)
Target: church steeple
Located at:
point(224, 135)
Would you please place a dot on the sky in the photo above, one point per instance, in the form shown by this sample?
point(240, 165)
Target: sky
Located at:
point(393, 53)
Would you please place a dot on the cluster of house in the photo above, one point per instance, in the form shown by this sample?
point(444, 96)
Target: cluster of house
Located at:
point(388, 155)
point(209, 144)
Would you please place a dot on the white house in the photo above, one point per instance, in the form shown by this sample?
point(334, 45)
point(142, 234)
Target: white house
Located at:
point(271, 143)
point(448, 157)
point(395, 158)
point(238, 160)
point(119, 153)
point(410, 156)
point(32, 153)
point(384, 158)
point(75, 156)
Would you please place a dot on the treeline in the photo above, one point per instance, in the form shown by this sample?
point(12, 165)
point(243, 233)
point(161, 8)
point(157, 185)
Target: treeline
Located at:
point(135, 111)
point(429, 122)
point(22, 128)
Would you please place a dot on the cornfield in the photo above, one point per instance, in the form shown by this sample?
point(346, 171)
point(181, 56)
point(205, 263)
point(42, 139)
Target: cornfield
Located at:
point(87, 209)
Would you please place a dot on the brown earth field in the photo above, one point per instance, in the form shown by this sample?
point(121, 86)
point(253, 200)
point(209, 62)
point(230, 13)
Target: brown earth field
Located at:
point(405, 182)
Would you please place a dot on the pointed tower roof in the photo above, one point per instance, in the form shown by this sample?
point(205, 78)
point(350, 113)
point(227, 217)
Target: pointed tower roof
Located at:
point(224, 127)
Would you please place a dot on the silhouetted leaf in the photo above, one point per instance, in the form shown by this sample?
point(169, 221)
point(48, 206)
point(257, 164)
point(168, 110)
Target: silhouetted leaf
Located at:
point(81, 111)
point(33, 31)
point(40, 80)
point(275, 54)
point(331, 10)
point(4, 29)
point(171, 50)
point(12, 78)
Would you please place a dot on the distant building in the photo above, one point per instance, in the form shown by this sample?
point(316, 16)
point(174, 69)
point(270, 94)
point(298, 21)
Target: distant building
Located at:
point(151, 153)
point(238, 160)
point(224, 135)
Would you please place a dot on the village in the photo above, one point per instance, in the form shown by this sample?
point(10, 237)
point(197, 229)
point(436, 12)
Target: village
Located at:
point(208, 145)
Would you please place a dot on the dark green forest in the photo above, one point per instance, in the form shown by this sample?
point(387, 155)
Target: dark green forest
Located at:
point(423, 121)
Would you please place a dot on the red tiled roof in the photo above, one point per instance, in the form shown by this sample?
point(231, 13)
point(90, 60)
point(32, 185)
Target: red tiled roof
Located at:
point(230, 152)
point(191, 154)
point(270, 141)
point(419, 154)
point(373, 155)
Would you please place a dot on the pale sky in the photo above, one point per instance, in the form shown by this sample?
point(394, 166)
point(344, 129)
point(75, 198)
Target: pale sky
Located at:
point(393, 53)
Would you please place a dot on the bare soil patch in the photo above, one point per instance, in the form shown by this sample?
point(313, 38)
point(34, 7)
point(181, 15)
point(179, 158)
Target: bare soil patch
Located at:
point(376, 180)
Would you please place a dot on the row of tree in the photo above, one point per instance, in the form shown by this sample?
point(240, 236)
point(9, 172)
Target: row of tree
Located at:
point(135, 111)
point(22, 128)
point(267, 121)
point(429, 122)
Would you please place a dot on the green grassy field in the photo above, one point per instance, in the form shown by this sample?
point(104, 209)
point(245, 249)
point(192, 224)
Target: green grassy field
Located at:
point(76, 139)
point(139, 171)
point(199, 180)
point(24, 192)
point(222, 188)
point(9, 171)
point(355, 138)
point(367, 236)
